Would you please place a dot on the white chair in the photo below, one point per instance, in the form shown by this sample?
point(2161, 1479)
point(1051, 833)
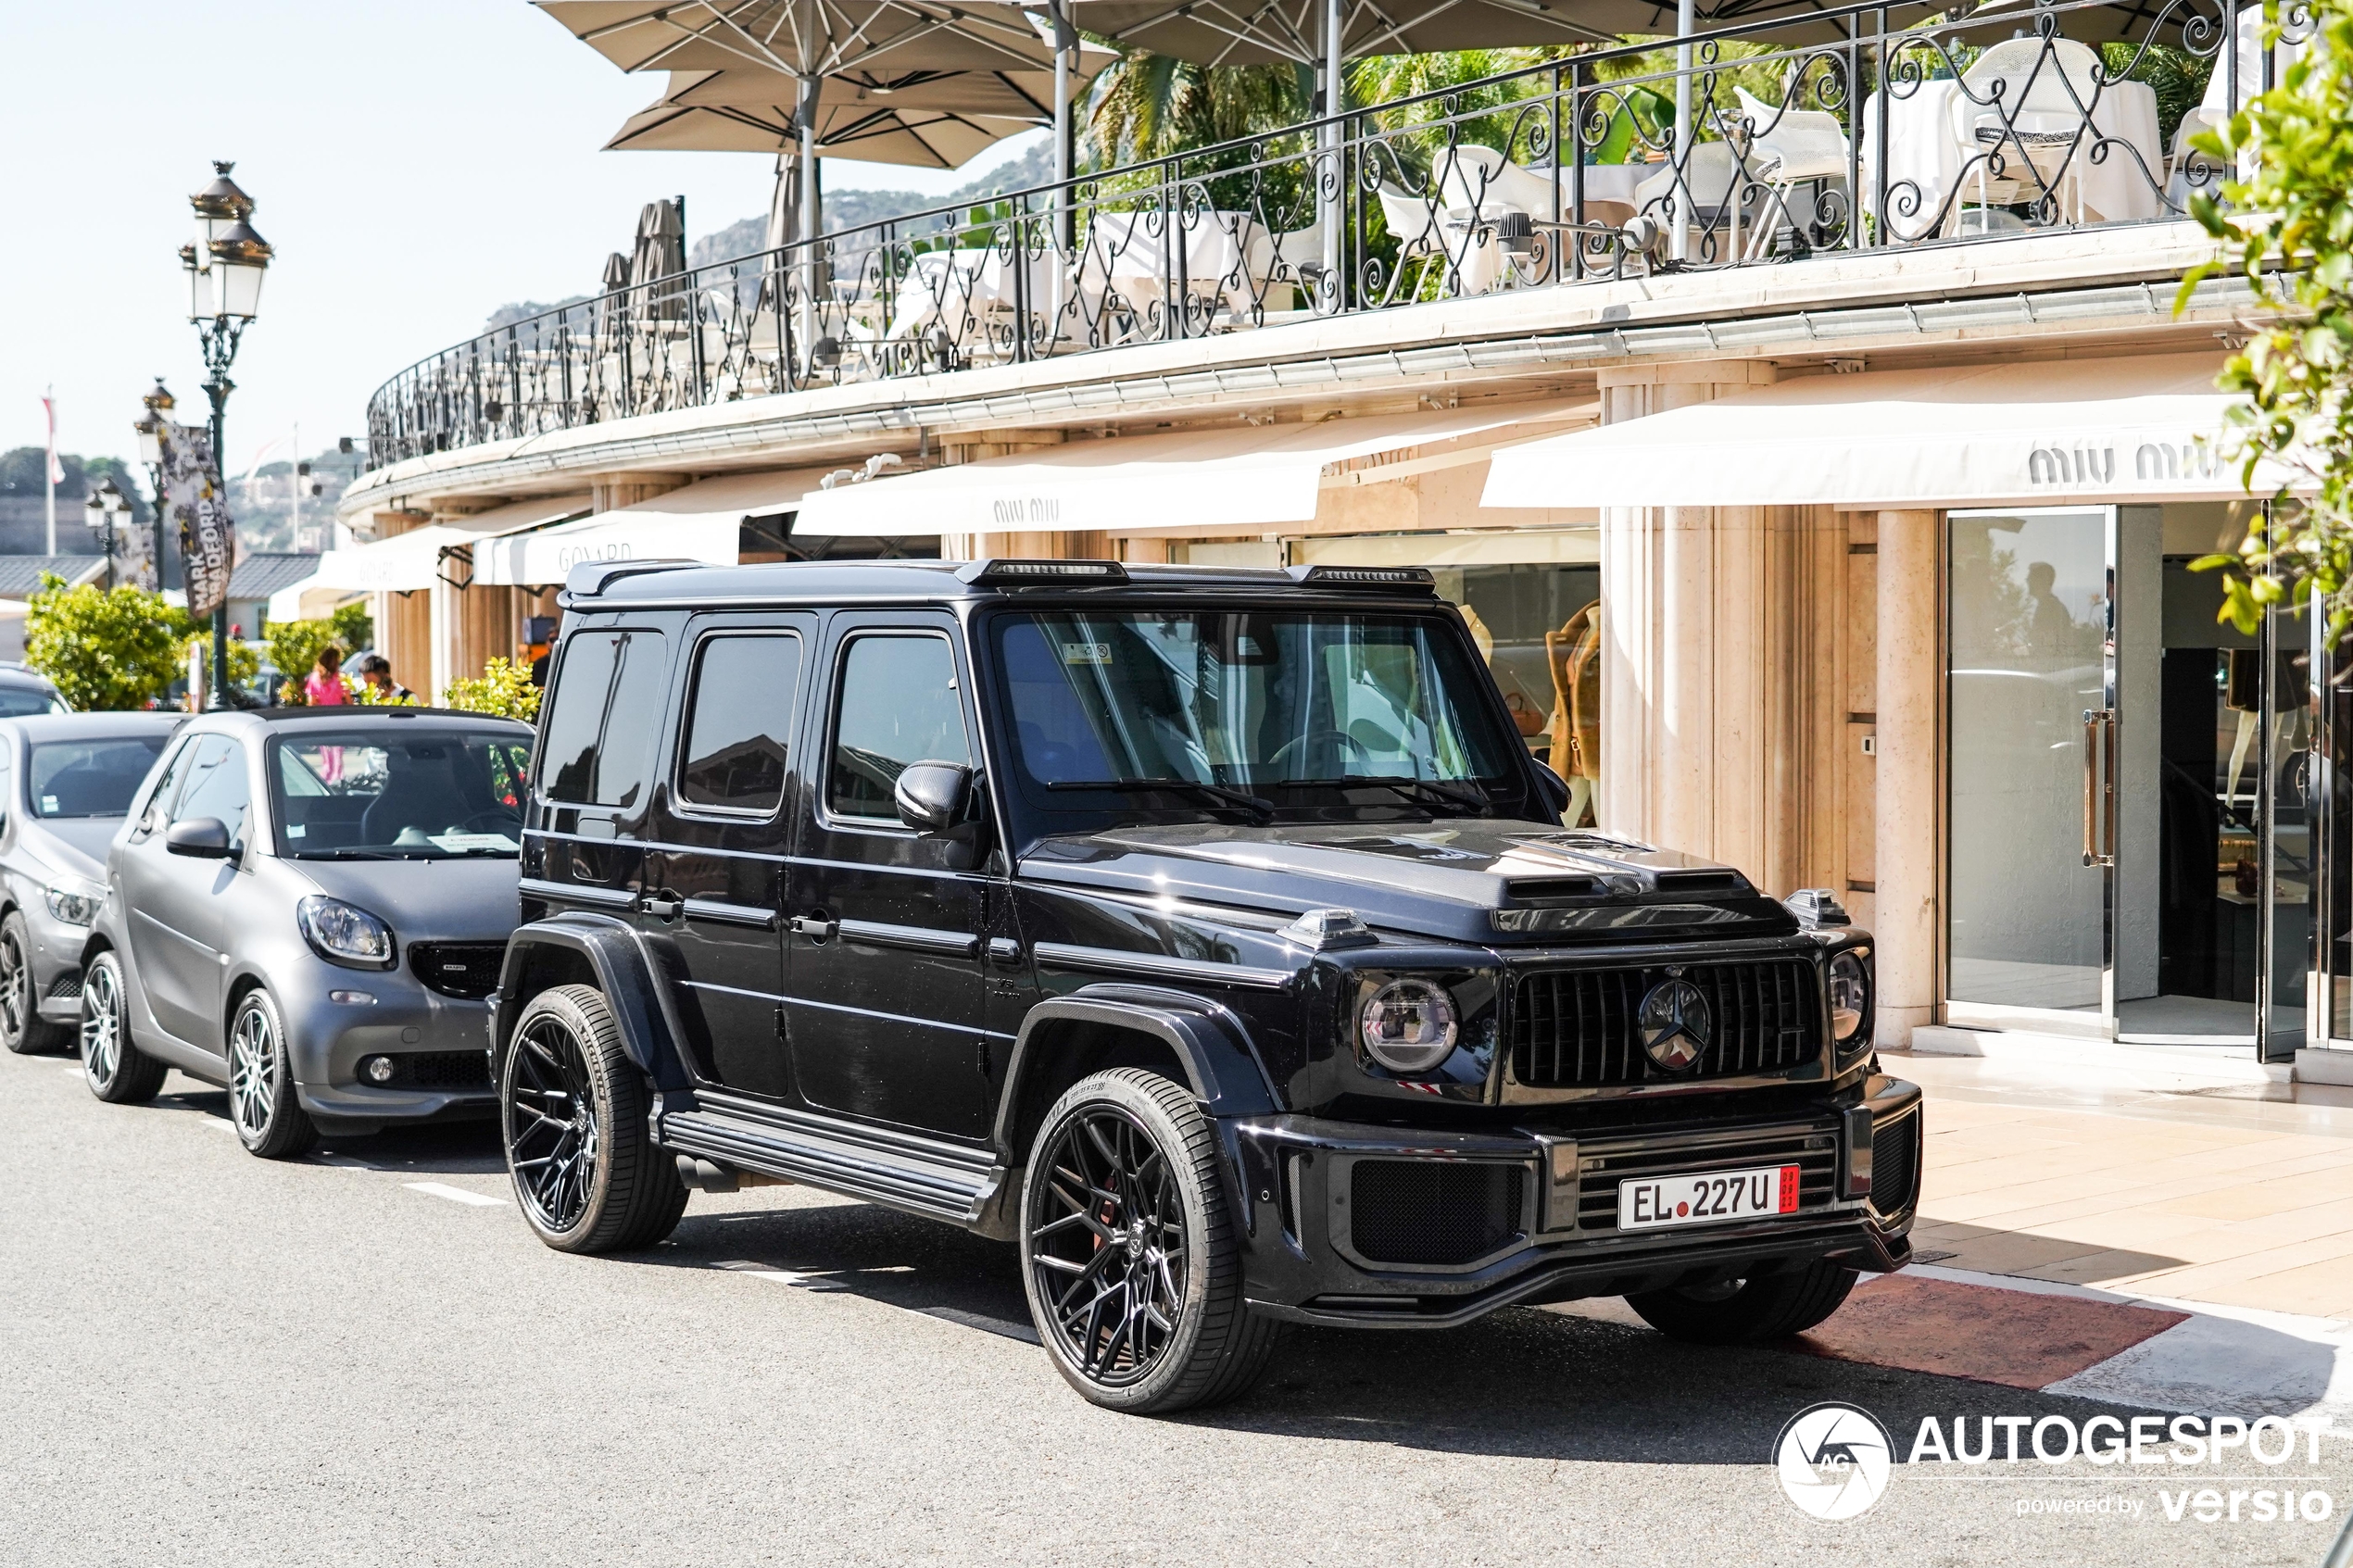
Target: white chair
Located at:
point(2027, 101)
point(1413, 224)
point(1785, 148)
point(1481, 188)
point(1712, 184)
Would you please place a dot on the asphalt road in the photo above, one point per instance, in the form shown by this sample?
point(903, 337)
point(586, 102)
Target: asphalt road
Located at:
point(212, 1359)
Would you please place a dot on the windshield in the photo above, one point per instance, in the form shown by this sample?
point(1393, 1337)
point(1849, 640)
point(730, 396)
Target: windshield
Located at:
point(1252, 709)
point(380, 794)
point(24, 702)
point(89, 778)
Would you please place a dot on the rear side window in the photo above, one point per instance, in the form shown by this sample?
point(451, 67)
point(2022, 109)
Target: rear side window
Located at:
point(739, 723)
point(599, 744)
point(897, 704)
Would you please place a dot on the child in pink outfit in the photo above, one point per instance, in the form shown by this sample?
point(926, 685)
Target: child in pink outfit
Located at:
point(324, 688)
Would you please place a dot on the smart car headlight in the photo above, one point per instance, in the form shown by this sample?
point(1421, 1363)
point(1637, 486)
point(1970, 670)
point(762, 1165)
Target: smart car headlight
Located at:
point(343, 933)
point(1409, 1026)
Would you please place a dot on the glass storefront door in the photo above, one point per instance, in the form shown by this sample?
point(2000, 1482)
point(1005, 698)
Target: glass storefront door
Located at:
point(2033, 746)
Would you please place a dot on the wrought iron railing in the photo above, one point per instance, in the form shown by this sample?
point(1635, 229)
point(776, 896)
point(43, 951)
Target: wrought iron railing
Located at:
point(1955, 130)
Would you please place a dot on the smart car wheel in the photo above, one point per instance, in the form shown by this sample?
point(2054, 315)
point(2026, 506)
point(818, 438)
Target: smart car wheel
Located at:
point(270, 1120)
point(1127, 1251)
point(571, 1106)
point(1747, 1312)
point(117, 1071)
point(22, 1029)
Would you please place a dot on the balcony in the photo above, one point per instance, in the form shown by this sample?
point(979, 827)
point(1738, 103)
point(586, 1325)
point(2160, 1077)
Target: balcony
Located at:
point(1778, 143)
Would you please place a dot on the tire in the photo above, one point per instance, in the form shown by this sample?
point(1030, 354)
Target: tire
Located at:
point(1173, 1332)
point(269, 1120)
point(22, 1029)
point(571, 1115)
point(117, 1071)
point(1747, 1312)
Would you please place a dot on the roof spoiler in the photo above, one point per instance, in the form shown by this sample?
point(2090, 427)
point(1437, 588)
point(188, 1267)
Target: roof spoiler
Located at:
point(591, 578)
point(1033, 573)
point(1400, 579)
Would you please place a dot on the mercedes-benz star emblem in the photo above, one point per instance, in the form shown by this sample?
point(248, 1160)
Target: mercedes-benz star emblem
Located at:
point(1675, 1024)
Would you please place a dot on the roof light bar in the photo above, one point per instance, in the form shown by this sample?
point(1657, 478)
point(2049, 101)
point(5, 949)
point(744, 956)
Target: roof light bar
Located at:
point(1001, 572)
point(1408, 577)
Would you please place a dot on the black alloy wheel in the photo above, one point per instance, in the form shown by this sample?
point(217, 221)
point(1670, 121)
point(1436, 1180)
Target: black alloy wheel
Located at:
point(22, 1029)
point(1129, 1259)
point(572, 1112)
point(117, 1070)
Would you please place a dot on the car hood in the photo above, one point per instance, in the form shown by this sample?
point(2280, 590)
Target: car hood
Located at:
point(460, 901)
point(1467, 880)
point(73, 843)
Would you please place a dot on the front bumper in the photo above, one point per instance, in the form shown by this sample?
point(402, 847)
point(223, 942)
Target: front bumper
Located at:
point(1526, 1217)
point(434, 1039)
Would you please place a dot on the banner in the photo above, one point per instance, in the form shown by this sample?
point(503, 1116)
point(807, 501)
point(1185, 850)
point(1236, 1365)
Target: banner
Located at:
point(197, 504)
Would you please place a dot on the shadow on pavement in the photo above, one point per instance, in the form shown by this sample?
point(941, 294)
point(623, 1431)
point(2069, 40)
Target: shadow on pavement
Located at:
point(1525, 1382)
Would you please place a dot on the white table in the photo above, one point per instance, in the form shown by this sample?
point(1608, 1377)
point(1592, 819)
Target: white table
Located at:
point(1925, 147)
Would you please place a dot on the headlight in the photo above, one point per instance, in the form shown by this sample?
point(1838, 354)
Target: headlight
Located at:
point(75, 906)
point(343, 933)
point(1409, 1025)
point(1850, 996)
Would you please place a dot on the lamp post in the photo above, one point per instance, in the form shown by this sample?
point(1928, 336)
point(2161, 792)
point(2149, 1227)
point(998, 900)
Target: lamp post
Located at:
point(106, 511)
point(224, 267)
point(160, 404)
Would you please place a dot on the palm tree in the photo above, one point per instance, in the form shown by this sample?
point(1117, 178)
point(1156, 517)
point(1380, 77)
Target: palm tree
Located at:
point(1148, 106)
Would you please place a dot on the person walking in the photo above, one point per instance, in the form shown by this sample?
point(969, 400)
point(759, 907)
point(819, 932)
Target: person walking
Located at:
point(376, 670)
point(324, 687)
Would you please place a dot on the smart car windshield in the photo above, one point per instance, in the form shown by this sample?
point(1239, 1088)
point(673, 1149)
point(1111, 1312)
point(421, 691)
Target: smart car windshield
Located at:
point(398, 791)
point(1252, 709)
point(89, 778)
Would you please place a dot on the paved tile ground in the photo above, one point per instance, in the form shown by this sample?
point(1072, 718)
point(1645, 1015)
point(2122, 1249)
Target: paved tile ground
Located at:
point(2140, 1181)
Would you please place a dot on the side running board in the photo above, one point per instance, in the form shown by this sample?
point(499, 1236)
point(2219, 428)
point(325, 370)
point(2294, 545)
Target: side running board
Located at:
point(938, 1181)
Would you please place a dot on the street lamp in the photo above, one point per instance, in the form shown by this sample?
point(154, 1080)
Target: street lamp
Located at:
point(108, 511)
point(160, 404)
point(224, 267)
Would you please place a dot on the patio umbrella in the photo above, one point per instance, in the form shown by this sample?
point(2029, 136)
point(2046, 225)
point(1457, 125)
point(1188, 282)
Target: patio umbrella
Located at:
point(869, 132)
point(660, 254)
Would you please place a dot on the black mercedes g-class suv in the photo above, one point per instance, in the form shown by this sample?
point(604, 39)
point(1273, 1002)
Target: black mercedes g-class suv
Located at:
point(1212, 935)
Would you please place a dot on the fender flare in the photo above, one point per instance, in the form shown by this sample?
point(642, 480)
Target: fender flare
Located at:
point(1209, 1042)
point(629, 971)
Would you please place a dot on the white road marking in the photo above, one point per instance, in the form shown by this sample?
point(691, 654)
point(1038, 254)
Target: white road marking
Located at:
point(455, 1194)
point(217, 1122)
point(74, 1072)
point(782, 1277)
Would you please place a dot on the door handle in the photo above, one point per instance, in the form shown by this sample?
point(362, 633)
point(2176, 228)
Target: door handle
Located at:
point(817, 928)
point(2099, 786)
point(662, 907)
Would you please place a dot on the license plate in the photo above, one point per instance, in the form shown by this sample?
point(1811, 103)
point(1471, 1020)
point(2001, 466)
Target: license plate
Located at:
point(1706, 1199)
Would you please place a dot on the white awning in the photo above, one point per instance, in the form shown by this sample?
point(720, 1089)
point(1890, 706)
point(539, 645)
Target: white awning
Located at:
point(406, 562)
point(1232, 479)
point(2009, 434)
point(698, 521)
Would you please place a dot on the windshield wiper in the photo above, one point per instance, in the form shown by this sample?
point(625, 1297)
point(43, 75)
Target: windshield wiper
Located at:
point(1261, 808)
point(1468, 796)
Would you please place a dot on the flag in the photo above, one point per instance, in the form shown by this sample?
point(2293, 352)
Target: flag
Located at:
point(198, 504)
point(56, 468)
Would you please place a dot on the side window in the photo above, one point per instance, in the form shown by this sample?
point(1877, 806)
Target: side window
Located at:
point(175, 773)
point(739, 722)
point(600, 736)
point(218, 785)
point(896, 703)
point(568, 739)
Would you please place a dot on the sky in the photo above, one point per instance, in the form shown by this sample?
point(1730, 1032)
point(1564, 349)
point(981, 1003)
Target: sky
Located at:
point(416, 166)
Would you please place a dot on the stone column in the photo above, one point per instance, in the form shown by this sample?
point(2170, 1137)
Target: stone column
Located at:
point(1910, 827)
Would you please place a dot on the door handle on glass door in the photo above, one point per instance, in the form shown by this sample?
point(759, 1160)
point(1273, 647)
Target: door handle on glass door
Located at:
point(2099, 786)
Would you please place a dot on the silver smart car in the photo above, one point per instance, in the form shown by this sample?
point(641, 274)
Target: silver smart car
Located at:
point(308, 906)
point(66, 780)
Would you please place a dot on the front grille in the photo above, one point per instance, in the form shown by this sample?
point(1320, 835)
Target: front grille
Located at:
point(65, 985)
point(1578, 1028)
point(1895, 1165)
point(1600, 1166)
point(1433, 1211)
point(468, 969)
point(442, 1069)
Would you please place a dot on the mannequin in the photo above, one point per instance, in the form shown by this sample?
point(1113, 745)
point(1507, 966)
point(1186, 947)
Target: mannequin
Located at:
point(1574, 655)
